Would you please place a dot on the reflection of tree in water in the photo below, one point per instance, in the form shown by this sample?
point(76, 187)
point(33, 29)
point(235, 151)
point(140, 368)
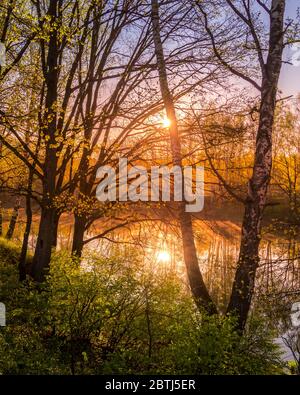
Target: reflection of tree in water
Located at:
point(217, 246)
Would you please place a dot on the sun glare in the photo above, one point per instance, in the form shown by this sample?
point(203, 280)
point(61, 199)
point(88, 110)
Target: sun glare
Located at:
point(163, 256)
point(166, 122)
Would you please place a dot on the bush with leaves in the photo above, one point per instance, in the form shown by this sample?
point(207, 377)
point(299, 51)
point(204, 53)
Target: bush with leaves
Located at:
point(113, 315)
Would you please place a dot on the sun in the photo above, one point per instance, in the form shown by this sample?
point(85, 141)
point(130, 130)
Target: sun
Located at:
point(163, 256)
point(166, 122)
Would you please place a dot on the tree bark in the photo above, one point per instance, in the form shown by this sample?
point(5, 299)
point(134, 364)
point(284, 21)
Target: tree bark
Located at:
point(23, 255)
point(55, 228)
point(78, 237)
point(44, 245)
point(198, 288)
point(48, 223)
point(243, 286)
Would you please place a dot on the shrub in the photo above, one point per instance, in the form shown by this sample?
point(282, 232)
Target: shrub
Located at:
point(112, 315)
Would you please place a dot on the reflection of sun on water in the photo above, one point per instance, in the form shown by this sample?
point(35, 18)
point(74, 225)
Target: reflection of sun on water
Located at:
point(163, 256)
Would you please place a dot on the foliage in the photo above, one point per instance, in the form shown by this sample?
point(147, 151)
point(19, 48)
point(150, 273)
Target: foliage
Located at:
point(112, 315)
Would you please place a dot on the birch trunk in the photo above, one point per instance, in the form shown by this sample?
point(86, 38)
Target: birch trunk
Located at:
point(243, 286)
point(198, 288)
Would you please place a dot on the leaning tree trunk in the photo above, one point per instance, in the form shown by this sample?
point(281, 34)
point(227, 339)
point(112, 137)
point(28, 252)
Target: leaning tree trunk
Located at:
point(198, 288)
point(13, 220)
point(243, 286)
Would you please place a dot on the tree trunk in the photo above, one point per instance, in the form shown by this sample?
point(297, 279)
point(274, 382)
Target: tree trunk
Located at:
point(198, 288)
point(48, 223)
point(55, 229)
point(24, 249)
point(78, 237)
point(243, 286)
point(13, 220)
point(44, 245)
